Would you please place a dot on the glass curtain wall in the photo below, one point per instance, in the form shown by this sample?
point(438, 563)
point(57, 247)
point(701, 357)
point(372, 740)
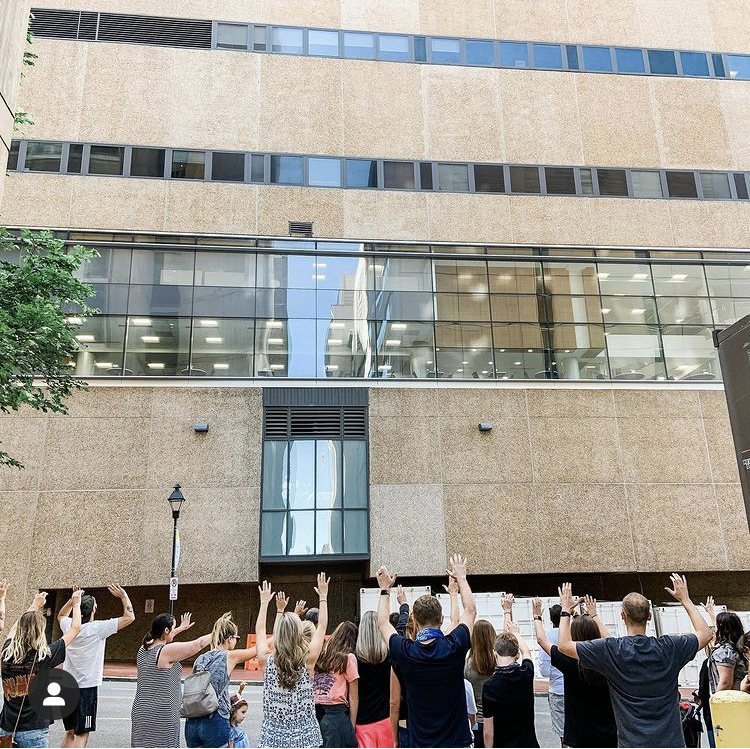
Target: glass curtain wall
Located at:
point(403, 311)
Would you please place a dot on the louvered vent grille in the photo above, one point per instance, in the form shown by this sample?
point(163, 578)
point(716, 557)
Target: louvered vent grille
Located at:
point(300, 229)
point(117, 27)
point(163, 32)
point(301, 421)
point(60, 24)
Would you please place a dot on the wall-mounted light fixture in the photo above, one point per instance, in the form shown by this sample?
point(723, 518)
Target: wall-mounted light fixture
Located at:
point(485, 426)
point(200, 428)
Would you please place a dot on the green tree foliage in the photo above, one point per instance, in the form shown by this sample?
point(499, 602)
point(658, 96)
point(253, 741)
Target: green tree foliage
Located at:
point(37, 342)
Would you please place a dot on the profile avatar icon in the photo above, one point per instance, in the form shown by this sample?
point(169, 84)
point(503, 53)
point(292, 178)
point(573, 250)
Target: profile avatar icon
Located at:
point(53, 699)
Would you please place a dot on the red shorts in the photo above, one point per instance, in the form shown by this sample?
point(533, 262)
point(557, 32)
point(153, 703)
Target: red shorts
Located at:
point(375, 735)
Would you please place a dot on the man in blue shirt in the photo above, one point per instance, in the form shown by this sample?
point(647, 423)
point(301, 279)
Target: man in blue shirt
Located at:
point(432, 667)
point(556, 694)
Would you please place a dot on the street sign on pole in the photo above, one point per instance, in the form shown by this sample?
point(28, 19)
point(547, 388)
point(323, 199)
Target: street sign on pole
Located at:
point(172, 588)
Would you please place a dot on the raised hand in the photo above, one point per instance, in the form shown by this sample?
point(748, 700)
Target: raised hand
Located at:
point(322, 587)
point(300, 607)
point(710, 607)
point(566, 597)
point(39, 602)
point(385, 580)
point(512, 627)
point(679, 589)
point(75, 598)
point(401, 595)
point(507, 603)
point(265, 592)
point(185, 622)
point(117, 591)
point(536, 607)
point(281, 602)
point(3, 588)
point(452, 587)
point(590, 603)
point(457, 568)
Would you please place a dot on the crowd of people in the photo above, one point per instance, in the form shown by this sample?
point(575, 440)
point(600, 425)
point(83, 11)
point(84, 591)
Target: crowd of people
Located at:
point(400, 679)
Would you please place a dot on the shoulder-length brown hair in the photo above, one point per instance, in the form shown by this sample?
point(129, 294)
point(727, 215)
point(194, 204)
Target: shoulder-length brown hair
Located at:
point(335, 654)
point(482, 653)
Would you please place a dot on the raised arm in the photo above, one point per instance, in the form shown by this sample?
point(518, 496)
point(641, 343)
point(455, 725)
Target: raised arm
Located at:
point(128, 615)
point(39, 602)
point(403, 612)
point(281, 603)
point(174, 652)
point(316, 644)
point(507, 605)
point(593, 612)
point(457, 571)
point(452, 590)
point(541, 635)
point(3, 591)
point(66, 608)
point(711, 611)
point(185, 624)
point(395, 705)
point(680, 592)
point(261, 645)
point(354, 702)
point(523, 646)
point(75, 626)
point(385, 583)
point(564, 642)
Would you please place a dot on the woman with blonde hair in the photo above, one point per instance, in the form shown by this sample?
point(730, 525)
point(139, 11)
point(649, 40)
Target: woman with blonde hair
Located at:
point(215, 729)
point(25, 654)
point(374, 714)
point(288, 706)
point(336, 687)
point(480, 665)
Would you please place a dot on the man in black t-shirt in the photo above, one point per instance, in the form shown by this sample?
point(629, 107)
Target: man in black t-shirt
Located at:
point(432, 667)
point(508, 695)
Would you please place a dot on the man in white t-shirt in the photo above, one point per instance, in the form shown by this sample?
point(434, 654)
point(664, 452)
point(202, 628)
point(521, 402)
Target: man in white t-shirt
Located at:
point(84, 659)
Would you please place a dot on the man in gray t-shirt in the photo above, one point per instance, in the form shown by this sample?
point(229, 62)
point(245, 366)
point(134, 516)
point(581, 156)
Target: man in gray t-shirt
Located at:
point(641, 670)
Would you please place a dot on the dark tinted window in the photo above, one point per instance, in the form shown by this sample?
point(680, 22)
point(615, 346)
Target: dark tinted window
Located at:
point(43, 157)
point(13, 156)
point(398, 174)
point(571, 52)
point(681, 185)
point(188, 164)
point(75, 158)
point(694, 63)
point(662, 61)
point(425, 175)
point(524, 179)
point(228, 166)
point(257, 168)
point(480, 53)
point(106, 159)
point(420, 49)
point(715, 185)
point(547, 56)
point(612, 182)
point(147, 162)
point(489, 178)
point(361, 173)
point(560, 181)
point(286, 170)
point(629, 60)
point(719, 71)
point(741, 185)
point(259, 38)
point(453, 177)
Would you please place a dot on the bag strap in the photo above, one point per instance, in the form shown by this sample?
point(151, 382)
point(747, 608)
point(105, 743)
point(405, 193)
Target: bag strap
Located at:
point(23, 701)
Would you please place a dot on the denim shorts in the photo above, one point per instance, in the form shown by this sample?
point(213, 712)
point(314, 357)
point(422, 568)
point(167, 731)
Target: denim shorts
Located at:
point(211, 730)
point(30, 739)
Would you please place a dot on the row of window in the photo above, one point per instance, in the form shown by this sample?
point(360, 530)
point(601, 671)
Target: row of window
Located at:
point(366, 45)
point(357, 173)
point(332, 348)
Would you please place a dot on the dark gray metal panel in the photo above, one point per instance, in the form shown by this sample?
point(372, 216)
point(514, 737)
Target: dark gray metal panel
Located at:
point(304, 396)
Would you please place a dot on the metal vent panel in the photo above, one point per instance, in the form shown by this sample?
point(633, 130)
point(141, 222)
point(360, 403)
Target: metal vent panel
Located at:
point(88, 24)
point(300, 229)
point(58, 24)
point(299, 422)
point(165, 32)
point(315, 396)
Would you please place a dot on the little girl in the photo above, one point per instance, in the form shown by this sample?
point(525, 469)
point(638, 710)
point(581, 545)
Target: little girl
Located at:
point(237, 713)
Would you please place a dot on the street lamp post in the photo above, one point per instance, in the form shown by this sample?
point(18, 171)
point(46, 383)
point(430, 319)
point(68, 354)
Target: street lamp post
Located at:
point(175, 500)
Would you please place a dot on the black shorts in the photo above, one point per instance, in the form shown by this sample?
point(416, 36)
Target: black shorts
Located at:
point(83, 719)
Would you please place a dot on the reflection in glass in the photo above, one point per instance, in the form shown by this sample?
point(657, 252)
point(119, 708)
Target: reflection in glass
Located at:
point(729, 280)
point(394, 47)
point(188, 164)
point(694, 63)
point(361, 173)
point(106, 159)
point(288, 271)
point(222, 347)
point(323, 43)
point(355, 473)
point(462, 307)
point(287, 40)
point(479, 52)
point(513, 308)
point(524, 179)
point(646, 184)
point(273, 534)
point(355, 532)
point(233, 269)
point(231, 36)
point(328, 460)
point(344, 348)
point(582, 309)
point(100, 341)
point(662, 61)
point(328, 532)
point(286, 170)
point(578, 352)
point(728, 311)
point(514, 55)
point(547, 56)
point(597, 59)
point(403, 274)
point(468, 276)
point(159, 349)
point(285, 348)
point(635, 352)
point(629, 60)
point(405, 349)
point(301, 474)
point(715, 186)
point(519, 352)
point(620, 278)
point(570, 278)
point(301, 533)
point(687, 310)
point(275, 474)
point(167, 267)
point(359, 45)
point(519, 278)
point(690, 353)
point(324, 172)
point(453, 177)
point(464, 350)
point(43, 157)
point(446, 51)
point(679, 280)
point(398, 175)
point(112, 266)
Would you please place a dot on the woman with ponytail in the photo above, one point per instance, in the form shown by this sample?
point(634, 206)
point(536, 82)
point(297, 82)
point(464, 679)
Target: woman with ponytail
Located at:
point(158, 694)
point(288, 706)
point(215, 729)
point(24, 654)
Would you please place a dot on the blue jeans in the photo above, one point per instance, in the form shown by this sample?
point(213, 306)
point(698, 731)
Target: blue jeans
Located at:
point(30, 739)
point(404, 737)
point(210, 730)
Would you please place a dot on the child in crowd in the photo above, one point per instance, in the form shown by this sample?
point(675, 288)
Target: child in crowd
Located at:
point(237, 713)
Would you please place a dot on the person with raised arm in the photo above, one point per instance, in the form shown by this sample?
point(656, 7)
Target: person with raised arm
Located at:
point(155, 715)
point(288, 701)
point(84, 660)
point(641, 670)
point(588, 717)
point(508, 695)
point(25, 654)
point(431, 667)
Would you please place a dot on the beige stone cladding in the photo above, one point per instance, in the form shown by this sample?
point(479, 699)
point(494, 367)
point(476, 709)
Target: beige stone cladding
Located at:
point(569, 480)
point(14, 18)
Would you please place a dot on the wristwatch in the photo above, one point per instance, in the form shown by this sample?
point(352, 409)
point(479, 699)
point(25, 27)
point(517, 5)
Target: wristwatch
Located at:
point(385, 592)
point(565, 613)
point(538, 618)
